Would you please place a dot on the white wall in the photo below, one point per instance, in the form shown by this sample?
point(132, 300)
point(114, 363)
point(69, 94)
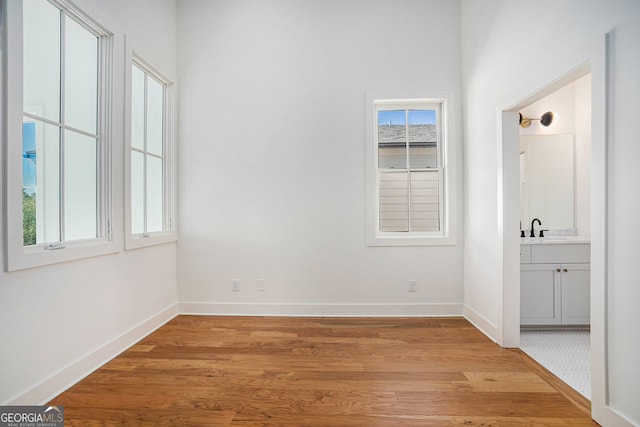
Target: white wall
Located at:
point(582, 123)
point(59, 322)
point(509, 45)
point(272, 160)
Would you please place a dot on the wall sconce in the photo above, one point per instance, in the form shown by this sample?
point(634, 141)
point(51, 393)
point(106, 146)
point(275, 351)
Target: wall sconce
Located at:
point(545, 120)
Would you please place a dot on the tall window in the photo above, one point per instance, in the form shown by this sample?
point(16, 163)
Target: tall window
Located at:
point(60, 126)
point(147, 152)
point(150, 164)
point(408, 202)
point(408, 169)
point(60, 149)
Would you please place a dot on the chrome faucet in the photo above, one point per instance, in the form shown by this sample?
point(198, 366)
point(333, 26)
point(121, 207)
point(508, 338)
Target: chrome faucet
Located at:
point(533, 234)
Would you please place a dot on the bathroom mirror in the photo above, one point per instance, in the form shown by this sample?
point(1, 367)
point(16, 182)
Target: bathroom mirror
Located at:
point(547, 181)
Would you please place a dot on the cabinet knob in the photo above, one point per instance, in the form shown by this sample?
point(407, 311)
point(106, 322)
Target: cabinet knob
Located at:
point(565, 270)
point(558, 270)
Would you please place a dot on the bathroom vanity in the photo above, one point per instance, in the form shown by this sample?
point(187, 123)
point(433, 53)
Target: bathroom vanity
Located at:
point(555, 281)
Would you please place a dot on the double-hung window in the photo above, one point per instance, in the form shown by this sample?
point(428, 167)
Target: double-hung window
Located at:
point(150, 212)
point(408, 180)
point(57, 119)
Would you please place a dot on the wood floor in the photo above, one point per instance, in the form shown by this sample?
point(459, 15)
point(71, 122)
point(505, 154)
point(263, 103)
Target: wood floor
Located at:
point(250, 371)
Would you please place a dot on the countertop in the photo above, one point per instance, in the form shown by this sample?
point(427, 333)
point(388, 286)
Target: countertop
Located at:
point(554, 240)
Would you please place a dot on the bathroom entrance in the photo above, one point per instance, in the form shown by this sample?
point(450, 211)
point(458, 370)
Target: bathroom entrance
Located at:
point(544, 80)
point(555, 197)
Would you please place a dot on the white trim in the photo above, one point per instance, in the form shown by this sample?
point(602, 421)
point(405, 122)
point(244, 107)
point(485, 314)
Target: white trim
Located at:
point(323, 310)
point(12, 126)
point(508, 217)
point(3, 131)
point(75, 371)
point(483, 324)
point(447, 166)
point(19, 257)
point(170, 233)
point(80, 17)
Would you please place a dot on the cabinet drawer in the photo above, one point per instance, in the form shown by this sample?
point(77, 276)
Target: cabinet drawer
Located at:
point(561, 253)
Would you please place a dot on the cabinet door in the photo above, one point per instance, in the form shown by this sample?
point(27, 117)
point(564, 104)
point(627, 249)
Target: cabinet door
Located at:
point(540, 294)
point(576, 294)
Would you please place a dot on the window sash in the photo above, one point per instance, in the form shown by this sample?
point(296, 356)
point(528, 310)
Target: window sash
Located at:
point(149, 167)
point(149, 207)
point(20, 256)
point(57, 221)
point(401, 207)
point(401, 141)
point(410, 200)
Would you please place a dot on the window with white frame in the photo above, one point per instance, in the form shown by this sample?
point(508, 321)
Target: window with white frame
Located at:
point(58, 132)
point(150, 184)
point(408, 203)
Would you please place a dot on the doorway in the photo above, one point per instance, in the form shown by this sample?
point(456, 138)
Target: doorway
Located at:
point(592, 59)
point(555, 178)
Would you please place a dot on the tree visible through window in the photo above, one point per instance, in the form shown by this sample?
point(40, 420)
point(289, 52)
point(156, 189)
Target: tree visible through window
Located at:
point(60, 141)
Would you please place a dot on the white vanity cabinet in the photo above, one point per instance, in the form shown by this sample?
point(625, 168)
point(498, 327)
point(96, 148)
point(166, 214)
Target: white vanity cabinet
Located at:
point(555, 284)
point(576, 294)
point(540, 295)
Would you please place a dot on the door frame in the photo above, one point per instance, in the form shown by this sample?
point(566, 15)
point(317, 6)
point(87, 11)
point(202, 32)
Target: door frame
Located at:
point(591, 59)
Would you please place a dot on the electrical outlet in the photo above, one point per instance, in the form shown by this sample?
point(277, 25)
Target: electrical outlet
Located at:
point(235, 285)
point(413, 285)
point(260, 285)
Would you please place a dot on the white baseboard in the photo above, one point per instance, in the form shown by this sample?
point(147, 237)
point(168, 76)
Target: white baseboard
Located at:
point(61, 380)
point(608, 416)
point(488, 328)
point(322, 310)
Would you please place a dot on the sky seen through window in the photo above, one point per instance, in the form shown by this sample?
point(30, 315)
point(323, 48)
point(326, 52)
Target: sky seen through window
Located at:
point(399, 117)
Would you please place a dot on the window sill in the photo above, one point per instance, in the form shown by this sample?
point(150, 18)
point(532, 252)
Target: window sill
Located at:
point(397, 240)
point(37, 256)
point(161, 238)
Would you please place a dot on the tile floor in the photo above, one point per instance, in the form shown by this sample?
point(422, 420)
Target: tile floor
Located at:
point(565, 353)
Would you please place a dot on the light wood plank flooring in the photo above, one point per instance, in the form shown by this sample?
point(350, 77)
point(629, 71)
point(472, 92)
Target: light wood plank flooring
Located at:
point(249, 371)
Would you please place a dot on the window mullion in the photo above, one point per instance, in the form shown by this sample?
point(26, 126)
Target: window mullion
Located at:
point(59, 124)
point(157, 156)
